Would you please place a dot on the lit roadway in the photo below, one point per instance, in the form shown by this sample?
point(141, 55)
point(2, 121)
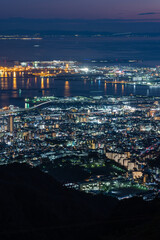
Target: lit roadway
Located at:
point(151, 148)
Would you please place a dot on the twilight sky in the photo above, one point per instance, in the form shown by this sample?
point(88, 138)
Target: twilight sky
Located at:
point(85, 9)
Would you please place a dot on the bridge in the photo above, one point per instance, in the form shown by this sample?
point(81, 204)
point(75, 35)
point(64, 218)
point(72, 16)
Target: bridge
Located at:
point(37, 106)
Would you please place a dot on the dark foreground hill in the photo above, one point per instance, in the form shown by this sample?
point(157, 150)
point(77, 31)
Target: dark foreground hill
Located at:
point(34, 206)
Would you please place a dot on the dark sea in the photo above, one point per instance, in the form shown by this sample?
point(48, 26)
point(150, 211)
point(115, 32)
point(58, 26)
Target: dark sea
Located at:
point(146, 49)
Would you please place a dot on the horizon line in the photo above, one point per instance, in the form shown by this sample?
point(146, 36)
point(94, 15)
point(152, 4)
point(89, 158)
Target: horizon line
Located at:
point(85, 19)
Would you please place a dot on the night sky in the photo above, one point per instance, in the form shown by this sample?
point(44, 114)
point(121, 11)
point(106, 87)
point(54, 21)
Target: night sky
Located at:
point(83, 9)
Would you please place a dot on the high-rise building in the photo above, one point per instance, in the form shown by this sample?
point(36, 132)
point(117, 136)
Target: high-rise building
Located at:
point(11, 124)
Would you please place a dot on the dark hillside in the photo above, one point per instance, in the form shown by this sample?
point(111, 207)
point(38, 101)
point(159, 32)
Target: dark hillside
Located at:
point(35, 206)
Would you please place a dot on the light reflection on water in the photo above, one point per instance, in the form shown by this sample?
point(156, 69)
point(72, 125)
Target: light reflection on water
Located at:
point(105, 87)
point(36, 86)
point(42, 83)
point(14, 83)
point(115, 87)
point(66, 89)
point(122, 89)
point(47, 82)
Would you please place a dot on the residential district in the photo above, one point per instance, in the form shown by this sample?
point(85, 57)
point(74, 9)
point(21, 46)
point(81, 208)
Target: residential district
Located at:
point(102, 145)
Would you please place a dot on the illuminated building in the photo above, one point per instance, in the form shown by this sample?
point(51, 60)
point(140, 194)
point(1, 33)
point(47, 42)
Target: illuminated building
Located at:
point(11, 124)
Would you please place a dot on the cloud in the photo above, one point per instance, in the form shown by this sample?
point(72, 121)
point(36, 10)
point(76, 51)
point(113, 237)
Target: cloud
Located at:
point(148, 13)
